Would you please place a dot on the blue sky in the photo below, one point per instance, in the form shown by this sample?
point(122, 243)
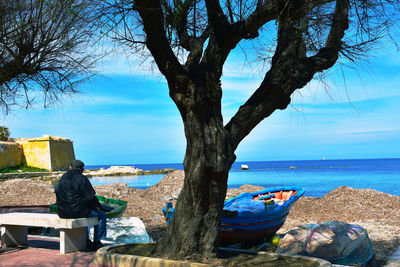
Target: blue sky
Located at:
point(125, 116)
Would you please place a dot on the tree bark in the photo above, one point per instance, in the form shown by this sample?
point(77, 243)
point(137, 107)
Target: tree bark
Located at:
point(193, 232)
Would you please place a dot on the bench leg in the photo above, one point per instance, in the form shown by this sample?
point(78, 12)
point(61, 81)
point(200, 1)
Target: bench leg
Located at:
point(14, 235)
point(72, 240)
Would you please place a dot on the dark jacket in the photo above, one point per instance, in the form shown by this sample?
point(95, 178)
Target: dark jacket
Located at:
point(75, 195)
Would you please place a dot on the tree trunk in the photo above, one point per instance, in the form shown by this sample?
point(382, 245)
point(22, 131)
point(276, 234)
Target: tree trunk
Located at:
point(195, 227)
point(193, 232)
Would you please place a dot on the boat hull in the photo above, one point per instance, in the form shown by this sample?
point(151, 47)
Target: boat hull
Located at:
point(228, 237)
point(115, 207)
point(252, 224)
point(255, 223)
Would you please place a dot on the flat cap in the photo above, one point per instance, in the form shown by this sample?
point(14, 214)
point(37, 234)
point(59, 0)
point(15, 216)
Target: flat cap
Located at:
point(77, 165)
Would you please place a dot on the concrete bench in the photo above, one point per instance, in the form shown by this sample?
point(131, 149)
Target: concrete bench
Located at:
point(14, 229)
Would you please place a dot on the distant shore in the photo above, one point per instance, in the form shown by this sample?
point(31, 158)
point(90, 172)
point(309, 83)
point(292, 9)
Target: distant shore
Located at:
point(112, 171)
point(124, 171)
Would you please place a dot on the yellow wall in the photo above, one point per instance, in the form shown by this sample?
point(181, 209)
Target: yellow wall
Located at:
point(47, 152)
point(36, 153)
point(10, 154)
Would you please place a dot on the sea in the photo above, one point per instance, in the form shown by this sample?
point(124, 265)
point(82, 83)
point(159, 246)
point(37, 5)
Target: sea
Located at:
point(317, 177)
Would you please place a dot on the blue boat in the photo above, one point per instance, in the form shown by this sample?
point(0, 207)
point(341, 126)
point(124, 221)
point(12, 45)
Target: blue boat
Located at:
point(251, 217)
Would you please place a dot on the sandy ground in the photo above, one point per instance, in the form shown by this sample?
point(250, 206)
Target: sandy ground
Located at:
point(377, 212)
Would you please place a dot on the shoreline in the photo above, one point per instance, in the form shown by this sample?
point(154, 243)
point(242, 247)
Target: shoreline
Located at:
point(112, 171)
point(375, 211)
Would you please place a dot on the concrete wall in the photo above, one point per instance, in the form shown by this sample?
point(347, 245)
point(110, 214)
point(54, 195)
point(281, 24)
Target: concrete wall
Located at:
point(62, 153)
point(10, 154)
point(47, 152)
point(36, 152)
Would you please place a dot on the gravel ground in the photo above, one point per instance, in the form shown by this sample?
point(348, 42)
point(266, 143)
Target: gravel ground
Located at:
point(377, 212)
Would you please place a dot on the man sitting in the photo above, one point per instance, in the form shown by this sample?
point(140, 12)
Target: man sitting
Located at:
point(76, 199)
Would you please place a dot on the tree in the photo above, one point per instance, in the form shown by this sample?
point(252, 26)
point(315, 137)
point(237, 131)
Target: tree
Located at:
point(4, 133)
point(42, 48)
point(190, 40)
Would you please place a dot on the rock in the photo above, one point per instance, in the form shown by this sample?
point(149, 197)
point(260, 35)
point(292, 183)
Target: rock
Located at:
point(124, 171)
point(113, 170)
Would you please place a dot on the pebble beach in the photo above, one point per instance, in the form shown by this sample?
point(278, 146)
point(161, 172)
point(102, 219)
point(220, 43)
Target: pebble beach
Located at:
point(377, 212)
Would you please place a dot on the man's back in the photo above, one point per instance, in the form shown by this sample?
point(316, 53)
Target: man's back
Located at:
point(75, 195)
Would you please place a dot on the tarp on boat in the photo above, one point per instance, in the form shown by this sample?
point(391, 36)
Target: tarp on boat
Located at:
point(251, 210)
point(125, 230)
point(335, 241)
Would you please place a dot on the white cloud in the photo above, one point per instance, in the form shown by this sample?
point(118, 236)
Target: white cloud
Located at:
point(120, 61)
point(370, 131)
point(111, 100)
point(245, 84)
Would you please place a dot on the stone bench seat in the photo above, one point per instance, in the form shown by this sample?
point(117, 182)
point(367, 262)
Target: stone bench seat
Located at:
point(14, 229)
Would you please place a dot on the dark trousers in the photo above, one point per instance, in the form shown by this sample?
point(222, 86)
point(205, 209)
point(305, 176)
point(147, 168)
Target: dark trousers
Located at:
point(100, 229)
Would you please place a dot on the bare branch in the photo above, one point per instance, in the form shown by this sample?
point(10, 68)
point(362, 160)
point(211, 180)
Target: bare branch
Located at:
point(153, 22)
point(42, 41)
point(262, 15)
point(328, 55)
point(217, 19)
point(290, 69)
